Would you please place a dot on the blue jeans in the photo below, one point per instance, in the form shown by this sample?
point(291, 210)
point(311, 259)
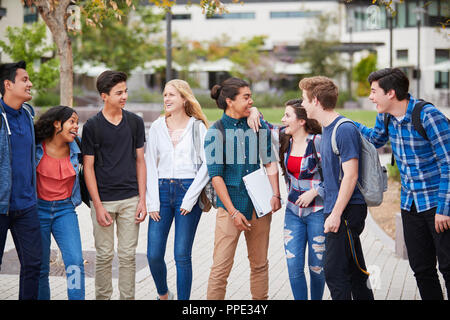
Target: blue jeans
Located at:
point(299, 231)
point(60, 219)
point(171, 193)
point(24, 226)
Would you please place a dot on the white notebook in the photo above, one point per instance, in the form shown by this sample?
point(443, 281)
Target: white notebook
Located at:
point(260, 191)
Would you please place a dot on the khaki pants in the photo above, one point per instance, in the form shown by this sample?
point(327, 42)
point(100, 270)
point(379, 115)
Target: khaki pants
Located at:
point(123, 214)
point(225, 242)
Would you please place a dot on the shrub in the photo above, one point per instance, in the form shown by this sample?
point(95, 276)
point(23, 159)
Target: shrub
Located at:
point(50, 98)
point(393, 172)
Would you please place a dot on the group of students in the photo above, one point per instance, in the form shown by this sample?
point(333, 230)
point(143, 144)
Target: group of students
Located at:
point(128, 176)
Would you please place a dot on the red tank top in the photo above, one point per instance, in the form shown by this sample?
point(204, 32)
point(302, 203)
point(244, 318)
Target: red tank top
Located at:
point(54, 178)
point(293, 165)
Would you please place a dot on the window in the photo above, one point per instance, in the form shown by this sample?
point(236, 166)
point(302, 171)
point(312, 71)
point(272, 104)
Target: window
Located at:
point(441, 79)
point(30, 14)
point(400, 18)
point(234, 15)
point(293, 14)
point(412, 15)
point(438, 12)
point(402, 55)
point(180, 16)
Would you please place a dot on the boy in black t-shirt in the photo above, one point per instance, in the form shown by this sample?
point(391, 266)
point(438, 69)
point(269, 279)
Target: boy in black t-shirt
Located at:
point(115, 174)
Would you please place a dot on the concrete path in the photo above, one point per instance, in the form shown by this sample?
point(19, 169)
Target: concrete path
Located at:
point(392, 278)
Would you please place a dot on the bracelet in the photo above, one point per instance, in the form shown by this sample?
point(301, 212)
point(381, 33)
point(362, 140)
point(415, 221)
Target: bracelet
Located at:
point(274, 195)
point(234, 214)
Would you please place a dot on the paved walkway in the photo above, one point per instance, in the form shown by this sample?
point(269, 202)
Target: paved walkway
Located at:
point(392, 277)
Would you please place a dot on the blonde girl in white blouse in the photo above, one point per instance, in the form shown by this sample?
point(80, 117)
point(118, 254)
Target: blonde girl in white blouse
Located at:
point(174, 183)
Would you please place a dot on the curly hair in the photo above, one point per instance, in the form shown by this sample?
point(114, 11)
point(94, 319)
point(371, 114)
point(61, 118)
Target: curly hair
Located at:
point(44, 127)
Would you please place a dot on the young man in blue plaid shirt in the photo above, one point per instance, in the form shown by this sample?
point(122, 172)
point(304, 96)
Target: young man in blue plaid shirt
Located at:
point(425, 176)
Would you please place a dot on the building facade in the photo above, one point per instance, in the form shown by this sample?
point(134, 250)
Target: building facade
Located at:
point(413, 38)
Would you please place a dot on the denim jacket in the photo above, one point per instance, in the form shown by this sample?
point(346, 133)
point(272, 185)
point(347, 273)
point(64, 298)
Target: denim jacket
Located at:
point(74, 151)
point(6, 157)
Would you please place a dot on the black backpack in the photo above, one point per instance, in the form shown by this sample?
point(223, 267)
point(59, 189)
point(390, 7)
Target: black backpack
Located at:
point(132, 121)
point(415, 118)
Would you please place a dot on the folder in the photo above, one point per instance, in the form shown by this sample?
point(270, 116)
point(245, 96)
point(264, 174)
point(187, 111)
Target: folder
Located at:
point(260, 191)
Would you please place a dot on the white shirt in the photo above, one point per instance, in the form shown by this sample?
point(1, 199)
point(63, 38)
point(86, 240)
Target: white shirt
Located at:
point(164, 161)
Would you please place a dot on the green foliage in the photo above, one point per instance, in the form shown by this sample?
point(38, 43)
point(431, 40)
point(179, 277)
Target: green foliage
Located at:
point(28, 43)
point(361, 72)
point(393, 172)
point(206, 101)
point(144, 95)
point(274, 115)
point(342, 98)
point(46, 99)
point(317, 49)
point(121, 45)
point(250, 62)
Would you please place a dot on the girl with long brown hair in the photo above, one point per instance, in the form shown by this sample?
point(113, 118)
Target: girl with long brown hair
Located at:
point(299, 153)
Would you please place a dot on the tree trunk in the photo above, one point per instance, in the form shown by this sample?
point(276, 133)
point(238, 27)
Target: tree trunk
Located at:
point(55, 17)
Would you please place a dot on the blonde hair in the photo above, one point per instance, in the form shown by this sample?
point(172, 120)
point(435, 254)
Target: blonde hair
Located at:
point(192, 106)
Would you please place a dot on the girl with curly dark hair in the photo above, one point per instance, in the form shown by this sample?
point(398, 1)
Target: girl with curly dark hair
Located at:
point(58, 194)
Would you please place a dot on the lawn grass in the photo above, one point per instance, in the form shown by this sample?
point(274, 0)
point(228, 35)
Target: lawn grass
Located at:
point(274, 115)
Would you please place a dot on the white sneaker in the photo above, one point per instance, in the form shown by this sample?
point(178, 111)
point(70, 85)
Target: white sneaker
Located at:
point(169, 294)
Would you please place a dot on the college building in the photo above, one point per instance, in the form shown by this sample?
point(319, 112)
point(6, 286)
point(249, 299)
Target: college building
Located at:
point(413, 38)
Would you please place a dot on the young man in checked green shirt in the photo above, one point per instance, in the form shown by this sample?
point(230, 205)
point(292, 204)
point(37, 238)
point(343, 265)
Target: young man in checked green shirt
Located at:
point(236, 213)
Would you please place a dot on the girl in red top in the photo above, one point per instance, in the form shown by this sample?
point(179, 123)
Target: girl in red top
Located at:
point(304, 217)
point(58, 194)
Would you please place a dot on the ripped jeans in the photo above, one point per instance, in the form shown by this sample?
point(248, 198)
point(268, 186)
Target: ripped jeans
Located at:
point(299, 231)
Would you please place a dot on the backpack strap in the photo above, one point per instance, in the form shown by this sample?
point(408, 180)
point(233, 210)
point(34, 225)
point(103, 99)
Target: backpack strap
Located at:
point(196, 141)
point(334, 143)
point(333, 135)
point(386, 119)
point(94, 123)
point(415, 118)
point(132, 123)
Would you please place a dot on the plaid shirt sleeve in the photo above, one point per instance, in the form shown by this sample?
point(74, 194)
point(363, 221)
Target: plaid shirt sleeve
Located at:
point(377, 136)
point(214, 152)
point(438, 132)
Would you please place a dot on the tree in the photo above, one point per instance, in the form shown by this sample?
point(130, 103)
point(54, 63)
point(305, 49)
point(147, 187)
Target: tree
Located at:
point(130, 38)
point(60, 17)
point(250, 61)
point(317, 49)
point(361, 72)
point(28, 43)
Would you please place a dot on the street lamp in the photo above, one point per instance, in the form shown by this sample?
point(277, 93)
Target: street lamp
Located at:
point(390, 25)
point(351, 23)
point(168, 45)
point(418, 11)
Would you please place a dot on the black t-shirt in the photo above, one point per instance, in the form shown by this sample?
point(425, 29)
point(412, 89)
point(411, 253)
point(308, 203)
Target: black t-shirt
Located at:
point(116, 179)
